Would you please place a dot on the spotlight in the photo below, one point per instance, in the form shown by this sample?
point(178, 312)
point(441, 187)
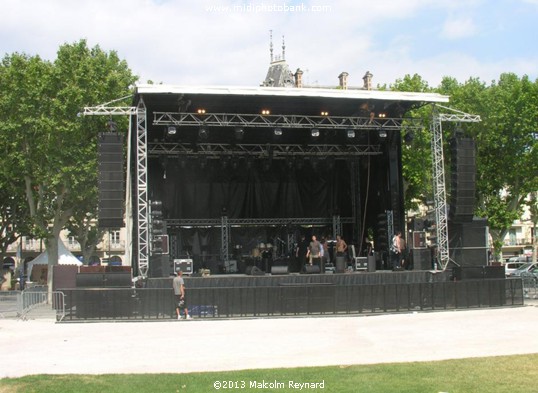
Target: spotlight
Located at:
point(201, 111)
point(382, 133)
point(324, 113)
point(171, 130)
point(277, 131)
point(382, 115)
point(239, 133)
point(266, 112)
point(314, 132)
point(351, 133)
point(202, 133)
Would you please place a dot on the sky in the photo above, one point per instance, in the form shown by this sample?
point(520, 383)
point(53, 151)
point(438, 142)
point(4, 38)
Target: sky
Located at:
point(225, 42)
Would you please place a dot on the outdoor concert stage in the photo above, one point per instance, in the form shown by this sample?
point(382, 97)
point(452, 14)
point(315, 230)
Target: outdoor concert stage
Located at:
point(226, 169)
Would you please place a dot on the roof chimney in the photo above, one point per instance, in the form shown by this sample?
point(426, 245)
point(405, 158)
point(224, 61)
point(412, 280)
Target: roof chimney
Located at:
point(343, 80)
point(298, 78)
point(367, 78)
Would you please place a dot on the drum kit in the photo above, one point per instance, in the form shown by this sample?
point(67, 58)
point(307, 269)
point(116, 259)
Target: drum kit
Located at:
point(262, 250)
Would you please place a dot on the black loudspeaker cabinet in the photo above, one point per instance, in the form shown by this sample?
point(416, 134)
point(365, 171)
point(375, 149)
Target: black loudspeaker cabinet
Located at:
point(311, 269)
point(111, 183)
point(463, 180)
point(254, 271)
point(422, 259)
point(468, 242)
point(104, 280)
point(477, 272)
point(279, 269)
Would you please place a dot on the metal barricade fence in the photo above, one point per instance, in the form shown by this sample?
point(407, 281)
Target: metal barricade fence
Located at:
point(530, 286)
point(290, 300)
point(19, 304)
point(9, 303)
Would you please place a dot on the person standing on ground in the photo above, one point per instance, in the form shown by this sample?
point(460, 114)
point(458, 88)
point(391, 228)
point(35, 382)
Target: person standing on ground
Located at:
point(179, 291)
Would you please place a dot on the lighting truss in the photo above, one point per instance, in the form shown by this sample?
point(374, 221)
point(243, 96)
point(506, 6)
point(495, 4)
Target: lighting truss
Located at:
point(107, 110)
point(281, 121)
point(279, 151)
point(217, 222)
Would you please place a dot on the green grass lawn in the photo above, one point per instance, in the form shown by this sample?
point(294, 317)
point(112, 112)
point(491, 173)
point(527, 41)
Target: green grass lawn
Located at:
point(495, 374)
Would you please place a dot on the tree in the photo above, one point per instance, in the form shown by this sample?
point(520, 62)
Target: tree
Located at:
point(54, 149)
point(507, 147)
point(416, 168)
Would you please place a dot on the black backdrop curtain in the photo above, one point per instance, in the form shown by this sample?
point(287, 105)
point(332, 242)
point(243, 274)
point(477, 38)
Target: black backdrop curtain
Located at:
point(201, 189)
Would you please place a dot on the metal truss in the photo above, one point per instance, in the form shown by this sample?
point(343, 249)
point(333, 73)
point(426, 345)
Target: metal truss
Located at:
point(439, 188)
point(390, 225)
point(224, 240)
point(107, 110)
point(276, 151)
point(217, 222)
point(282, 121)
point(142, 190)
point(337, 225)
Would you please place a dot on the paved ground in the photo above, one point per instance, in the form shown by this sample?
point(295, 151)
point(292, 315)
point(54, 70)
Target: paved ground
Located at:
point(43, 346)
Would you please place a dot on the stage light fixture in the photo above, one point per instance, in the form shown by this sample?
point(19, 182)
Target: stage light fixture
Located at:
point(201, 111)
point(277, 131)
point(314, 132)
point(351, 133)
point(382, 115)
point(171, 130)
point(324, 113)
point(239, 133)
point(266, 112)
point(202, 133)
point(382, 133)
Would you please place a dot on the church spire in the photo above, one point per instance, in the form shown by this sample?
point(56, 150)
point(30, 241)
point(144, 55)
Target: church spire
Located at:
point(271, 44)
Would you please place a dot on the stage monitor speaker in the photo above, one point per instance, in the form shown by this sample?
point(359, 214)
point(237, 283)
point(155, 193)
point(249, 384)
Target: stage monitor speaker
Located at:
point(463, 184)
point(254, 271)
point(422, 259)
point(311, 269)
point(111, 184)
point(279, 269)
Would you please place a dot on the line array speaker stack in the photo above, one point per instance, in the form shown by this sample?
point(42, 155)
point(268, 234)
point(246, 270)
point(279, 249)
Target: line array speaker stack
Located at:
point(468, 242)
point(111, 188)
point(463, 184)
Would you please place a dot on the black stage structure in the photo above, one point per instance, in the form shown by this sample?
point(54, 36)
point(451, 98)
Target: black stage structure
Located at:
point(223, 182)
point(233, 169)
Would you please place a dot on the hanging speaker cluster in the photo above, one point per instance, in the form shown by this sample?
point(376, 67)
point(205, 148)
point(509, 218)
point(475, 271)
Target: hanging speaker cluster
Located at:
point(111, 188)
point(463, 184)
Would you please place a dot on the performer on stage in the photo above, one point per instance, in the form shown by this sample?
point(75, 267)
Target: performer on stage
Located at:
point(314, 250)
point(341, 246)
point(301, 252)
point(396, 250)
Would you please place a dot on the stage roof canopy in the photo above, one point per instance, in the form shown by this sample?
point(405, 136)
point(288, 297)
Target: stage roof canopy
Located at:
point(282, 101)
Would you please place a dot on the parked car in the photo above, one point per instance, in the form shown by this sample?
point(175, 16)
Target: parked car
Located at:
point(511, 267)
point(525, 269)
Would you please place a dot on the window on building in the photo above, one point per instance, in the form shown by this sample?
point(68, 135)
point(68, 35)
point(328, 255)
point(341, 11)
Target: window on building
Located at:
point(115, 237)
